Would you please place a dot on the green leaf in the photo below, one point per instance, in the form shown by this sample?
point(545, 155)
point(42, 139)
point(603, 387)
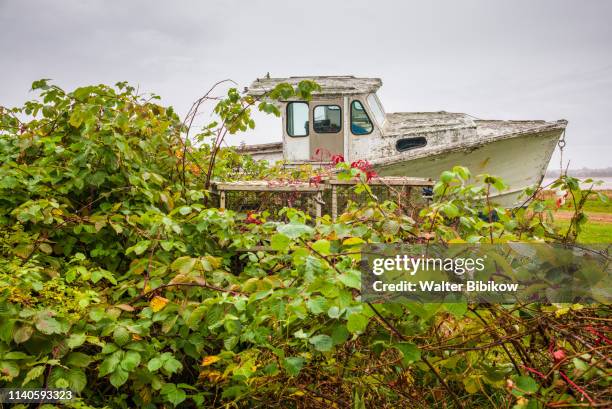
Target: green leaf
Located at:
point(139, 247)
point(46, 324)
point(154, 364)
point(322, 246)
point(183, 265)
point(9, 369)
point(447, 177)
point(295, 230)
point(322, 342)
point(75, 340)
point(7, 330)
point(471, 384)
point(33, 373)
point(410, 352)
point(450, 210)
point(457, 309)
point(185, 210)
point(340, 334)
point(119, 377)
point(317, 304)
point(173, 394)
point(121, 335)
point(171, 365)
point(76, 379)
point(293, 365)
point(391, 227)
point(356, 323)
point(130, 361)
point(280, 242)
point(334, 312)
point(109, 348)
point(110, 364)
point(97, 313)
point(351, 278)
point(526, 384)
point(78, 359)
point(14, 355)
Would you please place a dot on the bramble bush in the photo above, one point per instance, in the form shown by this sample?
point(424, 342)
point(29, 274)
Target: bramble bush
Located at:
point(121, 280)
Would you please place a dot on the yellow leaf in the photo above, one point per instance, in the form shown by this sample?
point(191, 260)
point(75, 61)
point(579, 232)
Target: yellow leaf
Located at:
point(158, 303)
point(211, 376)
point(180, 278)
point(209, 360)
point(562, 311)
point(125, 307)
point(353, 241)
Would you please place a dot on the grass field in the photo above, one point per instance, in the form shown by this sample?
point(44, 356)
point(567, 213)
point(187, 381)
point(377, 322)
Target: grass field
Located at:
point(593, 231)
point(591, 205)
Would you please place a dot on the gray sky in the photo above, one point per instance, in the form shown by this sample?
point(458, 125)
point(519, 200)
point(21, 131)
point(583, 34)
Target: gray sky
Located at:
point(492, 59)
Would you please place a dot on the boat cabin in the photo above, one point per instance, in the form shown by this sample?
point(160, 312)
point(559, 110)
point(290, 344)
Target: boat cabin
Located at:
point(341, 119)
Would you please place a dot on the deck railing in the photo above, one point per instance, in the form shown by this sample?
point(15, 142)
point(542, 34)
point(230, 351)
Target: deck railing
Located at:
point(325, 196)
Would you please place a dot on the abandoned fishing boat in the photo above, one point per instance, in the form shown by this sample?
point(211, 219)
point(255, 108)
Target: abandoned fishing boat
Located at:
point(346, 117)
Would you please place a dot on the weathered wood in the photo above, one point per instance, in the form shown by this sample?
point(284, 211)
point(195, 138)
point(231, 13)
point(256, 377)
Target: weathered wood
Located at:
point(330, 85)
point(222, 200)
point(334, 204)
point(315, 190)
point(272, 186)
point(266, 186)
point(385, 181)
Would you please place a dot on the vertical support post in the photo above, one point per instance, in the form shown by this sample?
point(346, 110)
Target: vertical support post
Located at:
point(222, 199)
point(334, 202)
point(318, 201)
point(346, 137)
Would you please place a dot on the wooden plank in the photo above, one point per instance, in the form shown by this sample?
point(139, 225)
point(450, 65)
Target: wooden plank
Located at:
point(271, 186)
point(318, 201)
point(384, 181)
point(260, 187)
point(334, 205)
point(222, 200)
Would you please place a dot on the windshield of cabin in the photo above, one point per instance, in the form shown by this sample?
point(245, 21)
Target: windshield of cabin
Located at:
point(377, 109)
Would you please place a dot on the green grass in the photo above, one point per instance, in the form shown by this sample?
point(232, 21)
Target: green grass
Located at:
point(592, 232)
point(593, 204)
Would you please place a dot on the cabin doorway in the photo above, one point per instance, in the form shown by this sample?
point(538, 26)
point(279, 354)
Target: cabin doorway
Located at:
point(327, 130)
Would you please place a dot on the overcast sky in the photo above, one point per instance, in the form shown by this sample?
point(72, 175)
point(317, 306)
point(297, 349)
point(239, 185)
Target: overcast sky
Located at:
point(491, 59)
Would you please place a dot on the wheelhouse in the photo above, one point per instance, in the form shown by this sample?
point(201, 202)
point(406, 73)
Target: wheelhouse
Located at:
point(341, 119)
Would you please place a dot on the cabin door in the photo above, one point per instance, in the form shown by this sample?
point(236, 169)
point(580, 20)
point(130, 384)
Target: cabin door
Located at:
point(326, 129)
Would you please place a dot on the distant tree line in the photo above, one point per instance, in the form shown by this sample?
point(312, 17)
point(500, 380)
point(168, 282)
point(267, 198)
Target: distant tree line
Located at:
point(584, 172)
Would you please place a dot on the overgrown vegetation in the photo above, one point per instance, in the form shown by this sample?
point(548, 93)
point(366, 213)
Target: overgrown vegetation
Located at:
point(120, 279)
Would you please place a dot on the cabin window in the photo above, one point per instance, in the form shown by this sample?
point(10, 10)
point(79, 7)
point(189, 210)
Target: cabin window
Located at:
point(376, 109)
point(360, 121)
point(297, 119)
point(327, 119)
point(410, 143)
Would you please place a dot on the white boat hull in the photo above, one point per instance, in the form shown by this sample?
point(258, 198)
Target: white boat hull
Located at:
point(521, 161)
